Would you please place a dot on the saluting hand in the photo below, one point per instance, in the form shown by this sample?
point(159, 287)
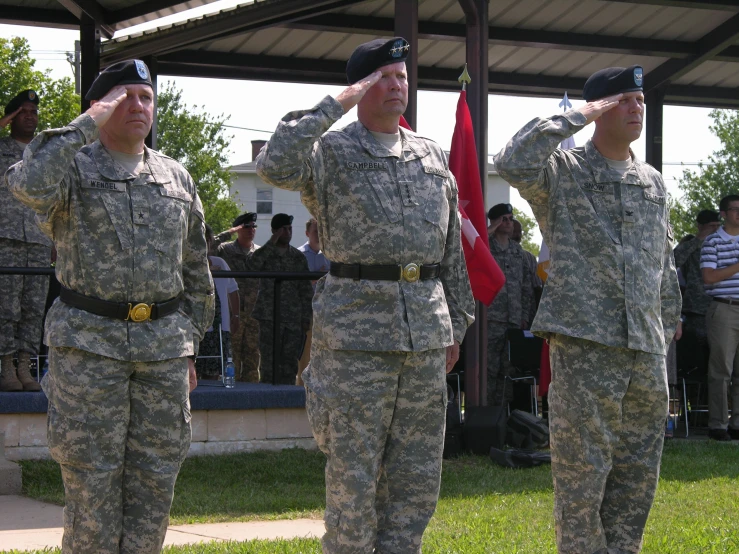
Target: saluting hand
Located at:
point(351, 95)
point(593, 110)
point(7, 118)
point(101, 110)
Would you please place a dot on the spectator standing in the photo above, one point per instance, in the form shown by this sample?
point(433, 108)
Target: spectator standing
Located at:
point(513, 304)
point(316, 262)
point(245, 341)
point(22, 244)
point(136, 299)
point(610, 307)
point(532, 265)
point(720, 266)
point(391, 314)
point(295, 304)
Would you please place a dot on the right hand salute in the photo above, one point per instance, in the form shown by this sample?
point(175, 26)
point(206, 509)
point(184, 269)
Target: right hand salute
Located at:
point(351, 95)
point(595, 108)
point(101, 110)
point(7, 118)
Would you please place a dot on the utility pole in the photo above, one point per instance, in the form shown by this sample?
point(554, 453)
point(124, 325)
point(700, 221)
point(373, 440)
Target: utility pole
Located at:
point(74, 59)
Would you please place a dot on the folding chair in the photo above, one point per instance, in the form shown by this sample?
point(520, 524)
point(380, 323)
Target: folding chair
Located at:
point(220, 357)
point(524, 353)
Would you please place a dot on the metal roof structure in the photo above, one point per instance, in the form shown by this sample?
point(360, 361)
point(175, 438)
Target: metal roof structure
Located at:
point(535, 47)
point(111, 15)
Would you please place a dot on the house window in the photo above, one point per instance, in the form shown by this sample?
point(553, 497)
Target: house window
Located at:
point(264, 201)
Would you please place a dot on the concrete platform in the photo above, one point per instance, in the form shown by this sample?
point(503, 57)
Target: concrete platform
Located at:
point(27, 524)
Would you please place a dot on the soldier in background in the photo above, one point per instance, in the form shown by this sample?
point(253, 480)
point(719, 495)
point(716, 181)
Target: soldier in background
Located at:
point(610, 306)
point(295, 304)
point(245, 341)
point(533, 265)
point(512, 305)
point(22, 244)
point(136, 299)
point(391, 314)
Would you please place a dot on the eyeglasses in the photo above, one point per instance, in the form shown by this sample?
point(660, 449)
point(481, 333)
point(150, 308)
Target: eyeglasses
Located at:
point(508, 219)
point(734, 209)
point(249, 226)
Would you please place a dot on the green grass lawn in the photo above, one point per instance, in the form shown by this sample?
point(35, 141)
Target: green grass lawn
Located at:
point(483, 508)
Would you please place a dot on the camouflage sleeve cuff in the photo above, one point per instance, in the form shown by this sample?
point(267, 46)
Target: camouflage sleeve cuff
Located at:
point(331, 107)
point(575, 118)
point(87, 125)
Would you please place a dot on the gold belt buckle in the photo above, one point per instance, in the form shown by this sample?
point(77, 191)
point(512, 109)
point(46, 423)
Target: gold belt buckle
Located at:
point(412, 273)
point(139, 312)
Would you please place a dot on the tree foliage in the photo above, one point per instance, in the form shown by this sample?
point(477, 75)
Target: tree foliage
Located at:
point(58, 102)
point(528, 225)
point(196, 140)
point(704, 188)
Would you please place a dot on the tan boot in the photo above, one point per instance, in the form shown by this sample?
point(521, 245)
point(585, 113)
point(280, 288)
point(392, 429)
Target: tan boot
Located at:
point(24, 373)
point(8, 380)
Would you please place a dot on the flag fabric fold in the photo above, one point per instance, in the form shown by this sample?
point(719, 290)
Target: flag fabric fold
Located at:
point(486, 278)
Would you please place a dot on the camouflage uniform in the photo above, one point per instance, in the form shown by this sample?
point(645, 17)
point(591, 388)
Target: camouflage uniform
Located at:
point(610, 306)
point(295, 312)
point(244, 342)
point(22, 244)
point(511, 306)
point(119, 409)
point(695, 299)
point(378, 346)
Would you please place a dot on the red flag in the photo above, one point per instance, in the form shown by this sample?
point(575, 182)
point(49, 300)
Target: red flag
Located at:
point(486, 278)
point(403, 123)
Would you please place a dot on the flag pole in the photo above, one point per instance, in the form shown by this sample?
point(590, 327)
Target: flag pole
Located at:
point(465, 78)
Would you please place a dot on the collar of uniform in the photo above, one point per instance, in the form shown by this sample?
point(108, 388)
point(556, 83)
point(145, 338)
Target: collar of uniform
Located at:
point(155, 170)
point(107, 166)
point(10, 145)
point(603, 173)
point(418, 149)
point(412, 148)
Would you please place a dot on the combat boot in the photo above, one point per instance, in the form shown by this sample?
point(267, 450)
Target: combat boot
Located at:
point(24, 373)
point(8, 380)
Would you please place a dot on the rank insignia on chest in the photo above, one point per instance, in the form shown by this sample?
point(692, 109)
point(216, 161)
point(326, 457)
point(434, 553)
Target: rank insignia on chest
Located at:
point(364, 166)
point(111, 186)
point(595, 187)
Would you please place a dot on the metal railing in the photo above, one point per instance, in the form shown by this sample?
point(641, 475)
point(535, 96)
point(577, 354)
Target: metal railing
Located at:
point(278, 276)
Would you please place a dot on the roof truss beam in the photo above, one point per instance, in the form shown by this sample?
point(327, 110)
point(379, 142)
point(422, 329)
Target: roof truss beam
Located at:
point(116, 17)
point(247, 18)
point(711, 45)
point(93, 10)
point(731, 5)
point(37, 17)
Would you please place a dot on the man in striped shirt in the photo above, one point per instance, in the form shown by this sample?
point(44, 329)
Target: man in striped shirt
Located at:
point(720, 267)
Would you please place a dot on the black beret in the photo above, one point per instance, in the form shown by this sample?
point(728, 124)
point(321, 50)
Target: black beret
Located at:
point(128, 72)
point(280, 220)
point(707, 216)
point(243, 219)
point(613, 80)
point(499, 210)
point(374, 54)
point(27, 95)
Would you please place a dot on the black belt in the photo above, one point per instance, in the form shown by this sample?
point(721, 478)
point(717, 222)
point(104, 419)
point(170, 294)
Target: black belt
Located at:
point(410, 272)
point(119, 310)
point(729, 301)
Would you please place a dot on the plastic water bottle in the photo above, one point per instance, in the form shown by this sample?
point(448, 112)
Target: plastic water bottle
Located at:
point(230, 377)
point(45, 368)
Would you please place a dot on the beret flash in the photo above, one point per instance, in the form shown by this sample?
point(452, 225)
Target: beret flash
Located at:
point(370, 56)
point(613, 80)
point(245, 218)
point(500, 210)
point(27, 95)
point(280, 220)
point(128, 72)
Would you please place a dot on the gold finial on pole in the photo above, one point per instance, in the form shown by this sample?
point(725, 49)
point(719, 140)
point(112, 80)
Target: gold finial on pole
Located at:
point(465, 78)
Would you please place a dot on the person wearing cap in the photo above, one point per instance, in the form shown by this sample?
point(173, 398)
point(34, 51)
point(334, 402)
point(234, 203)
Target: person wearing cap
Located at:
point(22, 244)
point(389, 316)
point(720, 269)
point(245, 341)
point(610, 307)
point(512, 305)
point(695, 300)
point(136, 300)
point(295, 304)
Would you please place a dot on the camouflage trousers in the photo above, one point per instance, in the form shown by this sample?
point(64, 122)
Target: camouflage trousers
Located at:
point(289, 347)
point(245, 348)
point(120, 431)
point(498, 369)
point(607, 411)
point(379, 418)
point(22, 297)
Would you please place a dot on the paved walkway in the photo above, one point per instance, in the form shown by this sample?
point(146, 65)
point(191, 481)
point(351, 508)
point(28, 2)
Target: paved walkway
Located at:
point(27, 524)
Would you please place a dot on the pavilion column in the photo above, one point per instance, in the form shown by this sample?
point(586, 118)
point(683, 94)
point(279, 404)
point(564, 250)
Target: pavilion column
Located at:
point(90, 55)
point(475, 347)
point(151, 139)
point(655, 101)
point(406, 26)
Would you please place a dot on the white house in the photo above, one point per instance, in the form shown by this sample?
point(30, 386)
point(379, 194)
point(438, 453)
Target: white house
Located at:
point(254, 195)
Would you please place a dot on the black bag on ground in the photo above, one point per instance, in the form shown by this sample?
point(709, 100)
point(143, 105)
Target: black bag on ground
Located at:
point(525, 430)
point(484, 426)
point(517, 458)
